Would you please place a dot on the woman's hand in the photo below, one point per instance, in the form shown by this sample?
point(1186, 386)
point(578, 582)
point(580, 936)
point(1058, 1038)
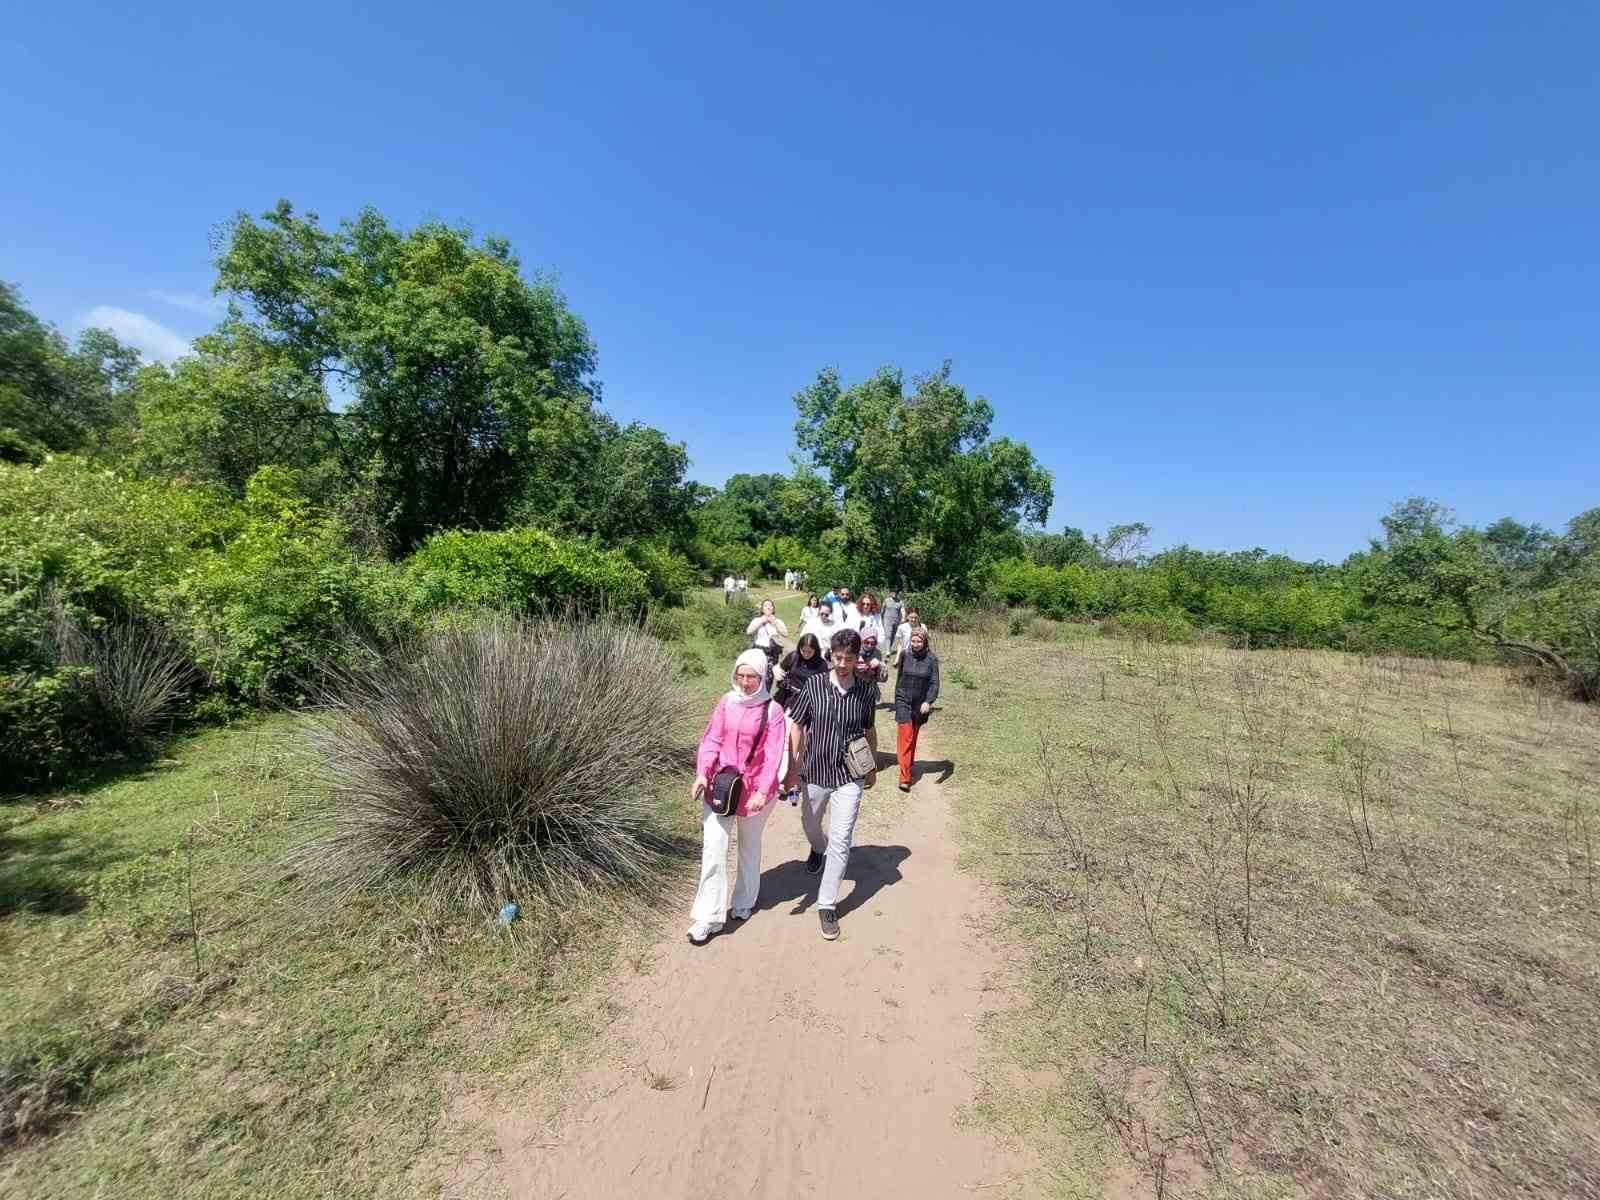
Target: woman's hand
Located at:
point(697, 791)
point(757, 803)
point(926, 708)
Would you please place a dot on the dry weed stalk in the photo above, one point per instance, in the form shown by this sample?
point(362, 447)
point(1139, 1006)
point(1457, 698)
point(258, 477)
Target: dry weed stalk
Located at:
point(1455, 750)
point(1575, 825)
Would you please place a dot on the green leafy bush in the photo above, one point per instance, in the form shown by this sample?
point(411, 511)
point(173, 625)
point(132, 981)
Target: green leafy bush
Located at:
point(667, 574)
point(266, 611)
point(936, 605)
point(47, 724)
point(691, 664)
point(668, 624)
point(523, 569)
point(726, 622)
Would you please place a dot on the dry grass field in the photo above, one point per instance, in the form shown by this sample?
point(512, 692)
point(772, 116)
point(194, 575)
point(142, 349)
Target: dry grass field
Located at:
point(1294, 923)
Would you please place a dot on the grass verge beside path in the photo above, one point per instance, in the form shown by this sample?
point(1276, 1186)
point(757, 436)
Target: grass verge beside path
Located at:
point(1295, 923)
point(310, 1051)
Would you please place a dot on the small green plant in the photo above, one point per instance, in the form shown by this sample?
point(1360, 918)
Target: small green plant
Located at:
point(690, 663)
point(960, 676)
point(668, 624)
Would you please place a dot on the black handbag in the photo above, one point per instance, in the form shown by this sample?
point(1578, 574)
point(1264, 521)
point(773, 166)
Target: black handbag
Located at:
point(727, 785)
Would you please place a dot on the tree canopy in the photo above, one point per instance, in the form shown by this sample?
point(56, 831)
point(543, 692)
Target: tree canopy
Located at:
point(924, 491)
point(467, 382)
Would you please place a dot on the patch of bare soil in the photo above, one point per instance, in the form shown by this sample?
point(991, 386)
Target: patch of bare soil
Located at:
point(769, 1063)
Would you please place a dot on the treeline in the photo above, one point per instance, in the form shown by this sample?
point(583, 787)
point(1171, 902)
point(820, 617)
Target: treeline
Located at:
point(390, 424)
point(1428, 587)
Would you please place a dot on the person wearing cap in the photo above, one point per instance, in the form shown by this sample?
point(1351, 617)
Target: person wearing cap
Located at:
point(747, 731)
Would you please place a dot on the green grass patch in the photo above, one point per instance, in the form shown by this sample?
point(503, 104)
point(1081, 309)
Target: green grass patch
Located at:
point(174, 1010)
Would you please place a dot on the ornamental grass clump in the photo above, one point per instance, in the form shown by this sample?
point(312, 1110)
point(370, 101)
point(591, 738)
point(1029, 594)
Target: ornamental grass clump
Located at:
point(497, 760)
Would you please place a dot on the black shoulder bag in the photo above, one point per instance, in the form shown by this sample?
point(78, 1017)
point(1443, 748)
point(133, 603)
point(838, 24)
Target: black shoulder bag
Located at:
point(727, 785)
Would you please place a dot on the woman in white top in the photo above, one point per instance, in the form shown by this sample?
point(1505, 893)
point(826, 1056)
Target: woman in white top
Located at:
point(823, 625)
point(766, 628)
point(808, 610)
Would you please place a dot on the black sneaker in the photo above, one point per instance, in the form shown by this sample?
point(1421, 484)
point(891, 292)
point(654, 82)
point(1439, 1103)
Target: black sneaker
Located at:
point(815, 861)
point(905, 787)
point(830, 924)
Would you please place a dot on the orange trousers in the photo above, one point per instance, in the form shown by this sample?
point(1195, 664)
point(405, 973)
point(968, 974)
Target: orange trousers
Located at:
point(906, 743)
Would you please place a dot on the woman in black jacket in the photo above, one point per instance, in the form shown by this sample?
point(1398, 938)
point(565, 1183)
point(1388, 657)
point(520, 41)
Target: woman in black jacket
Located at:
point(799, 665)
point(916, 687)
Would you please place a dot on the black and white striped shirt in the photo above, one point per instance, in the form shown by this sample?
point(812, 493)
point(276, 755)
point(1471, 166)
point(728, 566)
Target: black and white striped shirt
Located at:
point(832, 720)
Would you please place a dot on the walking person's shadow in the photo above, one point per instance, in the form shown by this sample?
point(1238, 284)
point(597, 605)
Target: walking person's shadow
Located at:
point(871, 869)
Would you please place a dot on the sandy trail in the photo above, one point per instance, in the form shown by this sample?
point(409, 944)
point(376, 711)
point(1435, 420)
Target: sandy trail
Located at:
point(840, 1068)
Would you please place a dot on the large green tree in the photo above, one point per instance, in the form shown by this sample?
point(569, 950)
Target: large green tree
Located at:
point(239, 403)
point(926, 494)
point(467, 384)
point(53, 397)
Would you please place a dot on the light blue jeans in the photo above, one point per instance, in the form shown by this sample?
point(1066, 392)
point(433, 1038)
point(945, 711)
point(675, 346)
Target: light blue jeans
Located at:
point(842, 803)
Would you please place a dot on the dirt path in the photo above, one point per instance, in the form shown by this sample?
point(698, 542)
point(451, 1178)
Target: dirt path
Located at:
point(841, 1067)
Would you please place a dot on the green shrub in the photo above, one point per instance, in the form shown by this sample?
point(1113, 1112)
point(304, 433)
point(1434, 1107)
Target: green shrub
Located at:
point(496, 761)
point(1168, 626)
point(667, 574)
point(46, 725)
point(668, 624)
point(691, 664)
point(936, 604)
point(105, 543)
point(726, 622)
point(1043, 629)
point(524, 569)
point(264, 613)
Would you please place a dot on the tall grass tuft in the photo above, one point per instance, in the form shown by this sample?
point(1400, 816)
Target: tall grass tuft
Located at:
point(136, 669)
point(496, 760)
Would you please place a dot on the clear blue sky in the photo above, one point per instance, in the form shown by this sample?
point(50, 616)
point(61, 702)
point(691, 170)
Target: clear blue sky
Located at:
point(1247, 272)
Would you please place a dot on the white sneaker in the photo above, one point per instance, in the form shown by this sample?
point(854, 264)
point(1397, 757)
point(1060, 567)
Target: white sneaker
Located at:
point(741, 914)
point(700, 931)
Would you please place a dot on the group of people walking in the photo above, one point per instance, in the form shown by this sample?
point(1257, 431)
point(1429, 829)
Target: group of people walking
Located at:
point(806, 726)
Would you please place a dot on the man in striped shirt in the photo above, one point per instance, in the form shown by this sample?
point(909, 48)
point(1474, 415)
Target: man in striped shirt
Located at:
point(829, 713)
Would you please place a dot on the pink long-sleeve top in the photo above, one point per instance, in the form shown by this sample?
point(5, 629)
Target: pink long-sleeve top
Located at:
point(730, 733)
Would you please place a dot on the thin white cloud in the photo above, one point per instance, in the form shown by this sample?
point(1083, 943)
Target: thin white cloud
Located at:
point(195, 302)
point(151, 337)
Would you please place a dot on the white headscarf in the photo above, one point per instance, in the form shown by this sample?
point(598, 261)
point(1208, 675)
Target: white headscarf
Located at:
point(756, 660)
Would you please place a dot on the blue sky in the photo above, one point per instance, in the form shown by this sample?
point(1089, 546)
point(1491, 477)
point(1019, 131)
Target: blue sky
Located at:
point(1247, 272)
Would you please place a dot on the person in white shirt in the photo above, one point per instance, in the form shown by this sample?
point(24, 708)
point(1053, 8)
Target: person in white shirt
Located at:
point(744, 585)
point(902, 636)
point(848, 614)
point(823, 625)
point(728, 584)
point(766, 628)
point(808, 610)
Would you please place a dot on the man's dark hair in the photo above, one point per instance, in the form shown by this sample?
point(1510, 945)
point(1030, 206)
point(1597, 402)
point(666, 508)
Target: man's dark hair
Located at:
point(846, 639)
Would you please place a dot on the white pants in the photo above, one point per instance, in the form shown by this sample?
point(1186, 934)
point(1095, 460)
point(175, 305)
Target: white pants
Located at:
point(843, 803)
point(711, 902)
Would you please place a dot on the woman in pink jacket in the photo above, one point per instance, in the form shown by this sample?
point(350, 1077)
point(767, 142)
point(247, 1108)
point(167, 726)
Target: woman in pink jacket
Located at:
point(731, 740)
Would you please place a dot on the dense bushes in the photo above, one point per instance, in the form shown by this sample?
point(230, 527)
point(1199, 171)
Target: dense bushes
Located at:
point(667, 574)
point(1256, 601)
point(120, 598)
point(524, 569)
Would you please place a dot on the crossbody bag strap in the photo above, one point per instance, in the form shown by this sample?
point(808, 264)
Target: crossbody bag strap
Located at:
point(761, 732)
